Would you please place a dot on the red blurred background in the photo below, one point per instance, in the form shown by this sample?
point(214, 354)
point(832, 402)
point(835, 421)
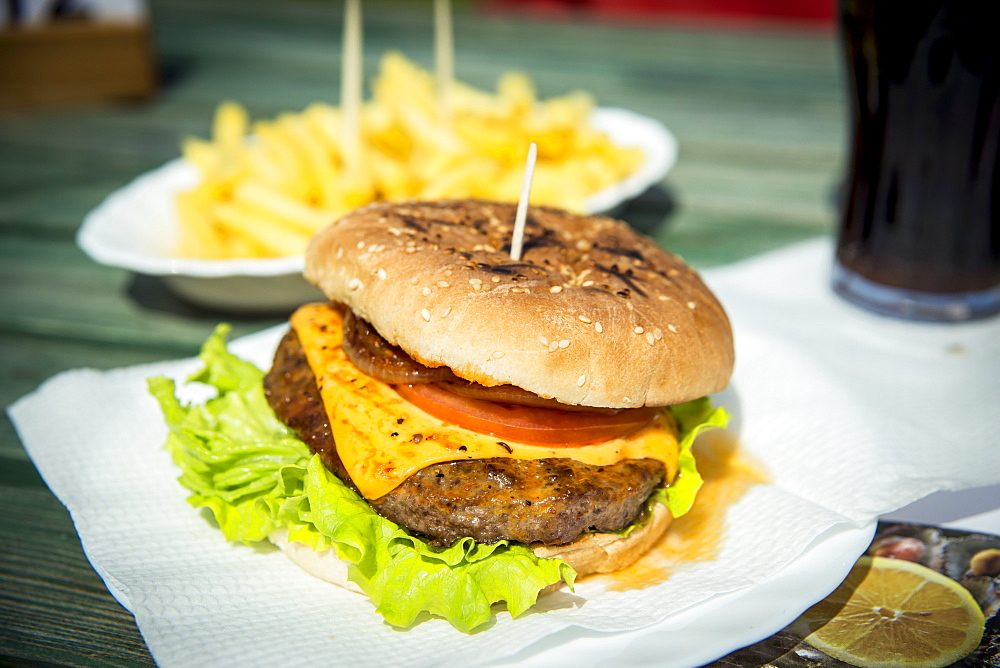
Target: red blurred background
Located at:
point(819, 12)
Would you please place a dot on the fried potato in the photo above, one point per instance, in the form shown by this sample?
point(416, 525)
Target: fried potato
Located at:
point(267, 187)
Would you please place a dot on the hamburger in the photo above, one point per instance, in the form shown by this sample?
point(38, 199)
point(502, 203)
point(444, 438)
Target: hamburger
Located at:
point(454, 427)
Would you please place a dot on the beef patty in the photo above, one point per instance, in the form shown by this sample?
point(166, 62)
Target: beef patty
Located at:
point(551, 501)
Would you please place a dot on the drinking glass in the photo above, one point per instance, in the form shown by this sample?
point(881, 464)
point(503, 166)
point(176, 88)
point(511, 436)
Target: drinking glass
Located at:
point(919, 234)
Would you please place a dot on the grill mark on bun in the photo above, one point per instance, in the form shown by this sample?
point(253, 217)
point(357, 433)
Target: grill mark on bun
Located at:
point(627, 277)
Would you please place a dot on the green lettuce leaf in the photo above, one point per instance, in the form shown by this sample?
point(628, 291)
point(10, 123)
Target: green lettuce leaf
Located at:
point(232, 448)
point(693, 418)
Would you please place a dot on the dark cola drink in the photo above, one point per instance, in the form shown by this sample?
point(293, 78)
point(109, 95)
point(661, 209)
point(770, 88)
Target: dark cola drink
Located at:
point(920, 232)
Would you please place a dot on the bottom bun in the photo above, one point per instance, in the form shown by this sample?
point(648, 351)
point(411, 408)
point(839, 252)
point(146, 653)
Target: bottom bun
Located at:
point(325, 564)
point(591, 553)
point(609, 552)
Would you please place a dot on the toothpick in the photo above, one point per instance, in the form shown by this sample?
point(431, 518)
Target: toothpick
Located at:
point(350, 82)
point(517, 241)
point(444, 57)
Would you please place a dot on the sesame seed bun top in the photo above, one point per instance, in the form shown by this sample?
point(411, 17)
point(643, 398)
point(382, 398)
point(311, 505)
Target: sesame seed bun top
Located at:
point(593, 314)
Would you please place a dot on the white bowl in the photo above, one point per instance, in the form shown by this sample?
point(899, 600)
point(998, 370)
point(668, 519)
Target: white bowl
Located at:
point(628, 129)
point(136, 227)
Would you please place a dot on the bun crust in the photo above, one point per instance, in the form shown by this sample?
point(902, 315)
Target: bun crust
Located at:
point(594, 314)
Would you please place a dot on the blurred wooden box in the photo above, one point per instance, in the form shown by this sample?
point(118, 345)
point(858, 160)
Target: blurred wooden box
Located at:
point(75, 61)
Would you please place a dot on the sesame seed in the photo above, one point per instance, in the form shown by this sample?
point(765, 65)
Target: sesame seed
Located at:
point(517, 290)
point(361, 244)
point(627, 400)
point(381, 274)
point(650, 339)
point(564, 343)
point(414, 280)
point(425, 291)
point(658, 333)
point(542, 340)
point(495, 279)
point(425, 314)
point(553, 346)
point(691, 305)
point(340, 253)
point(599, 327)
point(584, 319)
point(672, 272)
point(444, 284)
point(556, 288)
point(663, 298)
point(354, 284)
point(475, 281)
point(581, 380)
point(587, 284)
point(497, 354)
point(629, 306)
point(638, 330)
point(672, 328)
point(447, 273)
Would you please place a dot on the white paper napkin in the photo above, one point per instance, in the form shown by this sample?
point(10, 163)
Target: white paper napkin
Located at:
point(853, 416)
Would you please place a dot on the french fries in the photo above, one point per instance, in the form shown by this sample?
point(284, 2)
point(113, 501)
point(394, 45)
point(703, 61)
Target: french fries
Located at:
point(267, 187)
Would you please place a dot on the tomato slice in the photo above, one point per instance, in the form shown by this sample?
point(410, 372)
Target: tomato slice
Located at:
point(525, 424)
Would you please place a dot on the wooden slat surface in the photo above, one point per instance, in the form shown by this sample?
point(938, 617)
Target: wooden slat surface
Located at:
point(758, 113)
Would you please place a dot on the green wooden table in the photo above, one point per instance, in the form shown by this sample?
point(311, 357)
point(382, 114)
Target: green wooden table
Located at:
point(758, 113)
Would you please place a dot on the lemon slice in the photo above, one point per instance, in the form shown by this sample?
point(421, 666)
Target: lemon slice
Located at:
point(890, 612)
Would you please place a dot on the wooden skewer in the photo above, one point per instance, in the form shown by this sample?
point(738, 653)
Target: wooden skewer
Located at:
point(350, 82)
point(444, 57)
point(517, 241)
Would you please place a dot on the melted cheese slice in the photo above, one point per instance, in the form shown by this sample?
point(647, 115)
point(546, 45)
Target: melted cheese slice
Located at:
point(382, 439)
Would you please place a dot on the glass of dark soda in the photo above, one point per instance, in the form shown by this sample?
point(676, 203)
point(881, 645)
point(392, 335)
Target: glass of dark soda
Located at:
point(920, 230)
